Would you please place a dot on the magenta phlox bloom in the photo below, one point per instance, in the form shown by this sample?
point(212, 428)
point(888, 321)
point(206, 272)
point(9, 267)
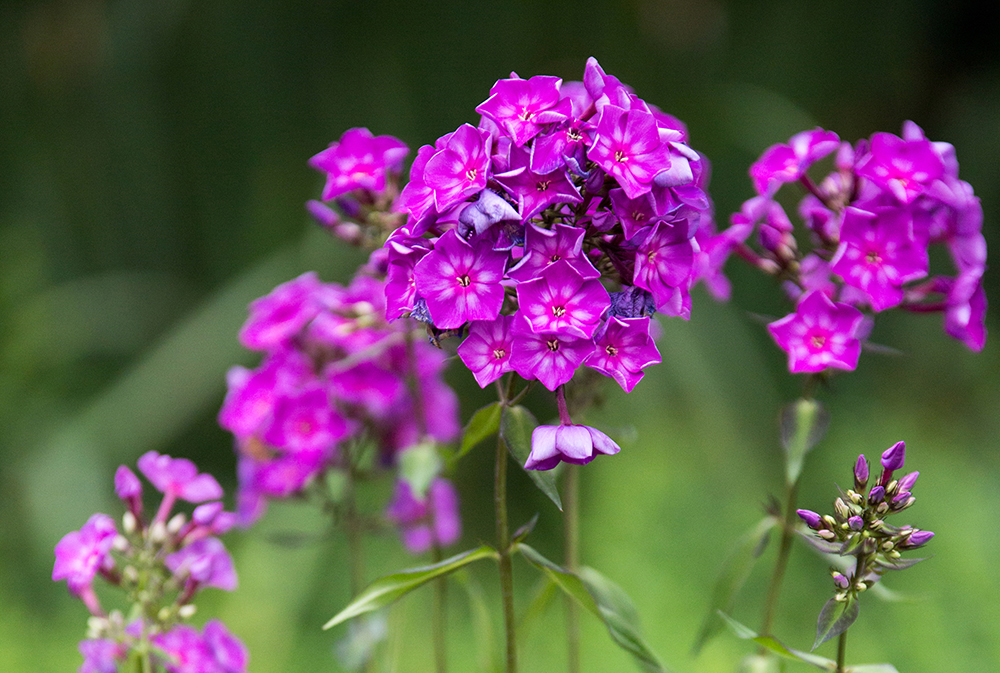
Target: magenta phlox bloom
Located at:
point(814, 274)
point(628, 147)
point(461, 282)
point(820, 334)
point(461, 169)
point(369, 386)
point(576, 444)
point(783, 163)
point(183, 650)
point(664, 264)
point(561, 301)
point(279, 316)
point(551, 358)
point(632, 302)
point(129, 489)
point(488, 209)
point(82, 554)
point(427, 522)
point(304, 420)
point(965, 312)
point(877, 254)
point(544, 247)
point(904, 167)
point(522, 107)
point(536, 192)
point(417, 198)
point(568, 142)
point(623, 349)
point(605, 89)
point(101, 656)
point(487, 349)
point(252, 394)
point(205, 561)
point(637, 216)
point(358, 161)
point(229, 651)
point(178, 477)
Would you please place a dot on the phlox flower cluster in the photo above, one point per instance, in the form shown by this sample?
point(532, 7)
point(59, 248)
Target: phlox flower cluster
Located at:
point(548, 234)
point(870, 224)
point(335, 375)
point(858, 528)
point(161, 563)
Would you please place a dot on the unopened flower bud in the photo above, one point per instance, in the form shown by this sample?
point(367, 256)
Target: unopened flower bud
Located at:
point(830, 521)
point(176, 523)
point(907, 482)
point(918, 538)
point(877, 495)
point(887, 545)
point(840, 507)
point(882, 508)
point(826, 534)
point(811, 519)
point(894, 456)
point(187, 611)
point(120, 543)
point(856, 523)
point(860, 586)
point(130, 574)
point(158, 532)
point(840, 597)
point(96, 626)
point(841, 581)
point(861, 473)
point(128, 522)
point(903, 505)
point(901, 498)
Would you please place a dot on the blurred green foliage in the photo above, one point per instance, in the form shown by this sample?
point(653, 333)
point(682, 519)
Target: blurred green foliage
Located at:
point(152, 176)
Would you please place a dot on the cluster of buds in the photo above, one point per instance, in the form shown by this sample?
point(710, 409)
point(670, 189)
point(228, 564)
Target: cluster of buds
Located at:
point(335, 374)
point(870, 225)
point(550, 233)
point(857, 526)
point(161, 564)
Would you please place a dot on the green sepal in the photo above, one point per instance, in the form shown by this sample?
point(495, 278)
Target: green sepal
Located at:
point(418, 466)
point(803, 423)
point(772, 644)
point(390, 588)
point(733, 575)
point(484, 424)
point(835, 618)
point(604, 599)
point(516, 425)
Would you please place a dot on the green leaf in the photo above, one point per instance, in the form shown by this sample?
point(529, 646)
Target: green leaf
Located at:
point(483, 424)
point(803, 424)
point(835, 618)
point(390, 588)
point(872, 668)
point(418, 466)
point(516, 424)
point(605, 600)
point(775, 646)
point(733, 575)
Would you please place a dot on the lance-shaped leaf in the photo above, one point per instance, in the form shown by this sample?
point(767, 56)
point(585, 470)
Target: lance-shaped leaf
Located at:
point(483, 424)
point(390, 588)
point(803, 424)
point(835, 618)
point(772, 644)
point(516, 424)
point(735, 571)
point(604, 599)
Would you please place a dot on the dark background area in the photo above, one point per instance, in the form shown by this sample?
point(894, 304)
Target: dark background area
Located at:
point(152, 180)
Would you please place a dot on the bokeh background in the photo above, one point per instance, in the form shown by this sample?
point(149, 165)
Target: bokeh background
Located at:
point(152, 180)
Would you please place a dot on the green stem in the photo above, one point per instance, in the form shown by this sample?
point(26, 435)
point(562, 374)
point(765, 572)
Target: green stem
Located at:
point(784, 549)
point(841, 652)
point(503, 541)
point(440, 624)
point(571, 531)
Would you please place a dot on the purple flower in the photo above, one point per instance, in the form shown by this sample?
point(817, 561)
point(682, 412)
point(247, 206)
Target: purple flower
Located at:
point(487, 349)
point(280, 315)
point(918, 538)
point(819, 334)
point(81, 554)
point(428, 522)
point(965, 315)
point(860, 472)
point(417, 198)
point(561, 147)
point(544, 247)
point(460, 169)
point(623, 350)
point(787, 163)
point(101, 656)
point(184, 650)
point(229, 652)
point(663, 265)
point(178, 477)
point(550, 358)
point(894, 456)
point(252, 395)
point(560, 300)
point(305, 421)
point(205, 561)
point(907, 482)
point(577, 444)
point(904, 167)
point(489, 209)
point(628, 148)
point(522, 107)
point(811, 518)
point(461, 282)
point(358, 161)
point(129, 489)
point(535, 191)
point(856, 523)
point(877, 254)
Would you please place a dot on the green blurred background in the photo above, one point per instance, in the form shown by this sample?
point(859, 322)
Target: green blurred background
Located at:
point(152, 180)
